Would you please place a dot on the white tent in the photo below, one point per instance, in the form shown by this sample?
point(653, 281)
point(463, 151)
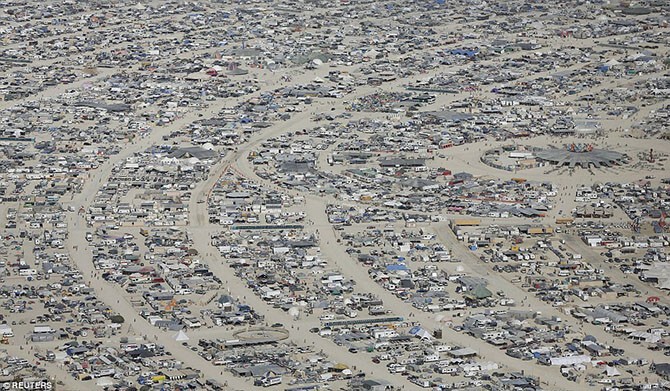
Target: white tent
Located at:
point(181, 336)
point(104, 382)
point(570, 360)
point(424, 334)
point(372, 53)
point(664, 284)
point(294, 312)
point(612, 63)
point(612, 371)
point(326, 376)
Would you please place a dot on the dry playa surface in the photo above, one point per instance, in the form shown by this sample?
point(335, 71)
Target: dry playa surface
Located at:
point(630, 135)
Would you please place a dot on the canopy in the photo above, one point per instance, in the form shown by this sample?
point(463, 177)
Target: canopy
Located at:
point(612, 371)
point(181, 336)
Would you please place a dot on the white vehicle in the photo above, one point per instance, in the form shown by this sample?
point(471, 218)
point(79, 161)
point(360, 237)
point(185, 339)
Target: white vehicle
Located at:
point(271, 381)
point(27, 272)
point(397, 368)
point(43, 330)
point(442, 348)
point(6, 331)
point(192, 322)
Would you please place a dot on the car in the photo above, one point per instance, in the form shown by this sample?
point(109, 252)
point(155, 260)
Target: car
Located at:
point(314, 330)
point(277, 325)
point(353, 350)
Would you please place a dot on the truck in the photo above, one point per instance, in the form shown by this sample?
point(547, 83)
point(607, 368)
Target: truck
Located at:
point(271, 381)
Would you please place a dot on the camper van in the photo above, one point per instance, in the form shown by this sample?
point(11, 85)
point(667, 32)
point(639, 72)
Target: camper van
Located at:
point(270, 381)
point(396, 368)
point(43, 330)
point(27, 272)
point(327, 317)
point(6, 330)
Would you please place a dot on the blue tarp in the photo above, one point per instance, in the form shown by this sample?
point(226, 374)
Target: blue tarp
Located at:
point(414, 330)
point(396, 267)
